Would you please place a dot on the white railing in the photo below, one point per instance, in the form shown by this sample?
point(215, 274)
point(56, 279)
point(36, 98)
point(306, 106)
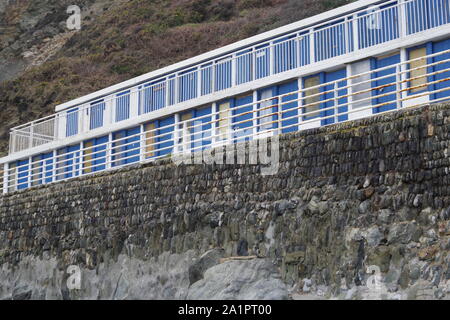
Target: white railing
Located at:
point(36, 133)
point(363, 29)
point(336, 102)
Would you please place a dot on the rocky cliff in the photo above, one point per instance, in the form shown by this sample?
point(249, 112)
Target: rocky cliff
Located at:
point(357, 210)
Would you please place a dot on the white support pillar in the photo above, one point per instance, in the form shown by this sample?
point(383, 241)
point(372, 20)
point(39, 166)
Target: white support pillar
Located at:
point(110, 110)
point(84, 113)
point(300, 101)
point(55, 166)
point(176, 133)
point(80, 123)
point(336, 101)
point(402, 23)
point(214, 112)
point(199, 82)
point(166, 85)
point(177, 89)
point(272, 58)
point(346, 35)
point(134, 103)
point(255, 114)
point(299, 50)
point(233, 70)
point(109, 147)
point(312, 46)
point(403, 75)
point(349, 90)
point(62, 125)
point(5, 177)
point(355, 32)
point(31, 138)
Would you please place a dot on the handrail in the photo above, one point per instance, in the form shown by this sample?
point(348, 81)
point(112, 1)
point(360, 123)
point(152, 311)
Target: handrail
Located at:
point(185, 136)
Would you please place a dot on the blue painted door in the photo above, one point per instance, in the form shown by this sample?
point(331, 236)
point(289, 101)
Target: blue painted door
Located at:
point(201, 130)
point(330, 97)
point(165, 137)
point(99, 156)
point(48, 160)
point(242, 123)
point(23, 174)
point(126, 150)
point(68, 162)
point(289, 106)
point(443, 85)
point(387, 84)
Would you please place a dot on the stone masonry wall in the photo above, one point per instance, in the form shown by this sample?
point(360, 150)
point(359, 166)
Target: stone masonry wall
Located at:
point(347, 196)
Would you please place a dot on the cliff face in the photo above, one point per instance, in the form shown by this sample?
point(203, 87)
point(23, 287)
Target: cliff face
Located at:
point(118, 40)
point(348, 200)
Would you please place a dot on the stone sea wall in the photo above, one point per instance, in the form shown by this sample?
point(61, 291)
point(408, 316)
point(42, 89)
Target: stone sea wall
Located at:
point(369, 194)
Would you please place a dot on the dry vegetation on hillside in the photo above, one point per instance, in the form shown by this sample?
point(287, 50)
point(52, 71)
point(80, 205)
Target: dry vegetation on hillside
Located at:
point(135, 37)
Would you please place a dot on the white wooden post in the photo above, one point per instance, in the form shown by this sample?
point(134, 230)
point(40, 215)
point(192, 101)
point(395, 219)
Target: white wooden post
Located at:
point(336, 102)
point(214, 112)
point(5, 177)
point(176, 135)
point(134, 102)
point(355, 32)
point(62, 125)
point(199, 82)
point(233, 70)
point(402, 18)
point(403, 75)
point(272, 58)
point(312, 46)
point(300, 101)
point(255, 114)
point(349, 90)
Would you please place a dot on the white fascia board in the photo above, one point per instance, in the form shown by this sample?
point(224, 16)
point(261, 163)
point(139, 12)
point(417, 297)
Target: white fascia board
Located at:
point(326, 65)
point(328, 15)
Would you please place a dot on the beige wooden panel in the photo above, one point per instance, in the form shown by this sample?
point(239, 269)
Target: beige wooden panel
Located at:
point(415, 54)
point(310, 99)
point(150, 133)
point(223, 124)
point(87, 159)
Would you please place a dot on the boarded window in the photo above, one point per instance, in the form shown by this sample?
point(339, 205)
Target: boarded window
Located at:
point(87, 159)
point(417, 76)
point(184, 131)
point(266, 107)
point(312, 97)
point(224, 122)
point(361, 85)
point(150, 131)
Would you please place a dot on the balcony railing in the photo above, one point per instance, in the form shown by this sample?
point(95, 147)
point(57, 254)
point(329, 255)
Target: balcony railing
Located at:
point(335, 102)
point(363, 29)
